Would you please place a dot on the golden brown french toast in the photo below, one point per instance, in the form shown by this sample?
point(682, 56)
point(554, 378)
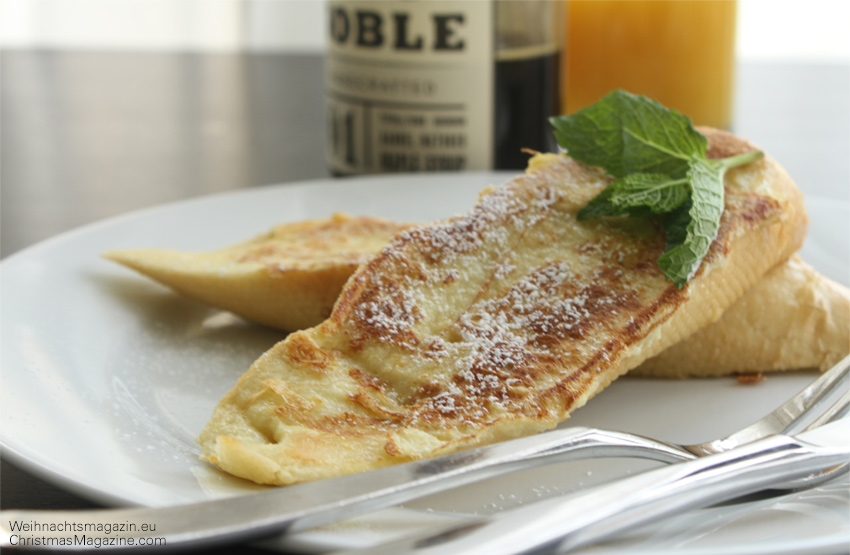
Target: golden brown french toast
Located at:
point(792, 319)
point(492, 325)
point(288, 278)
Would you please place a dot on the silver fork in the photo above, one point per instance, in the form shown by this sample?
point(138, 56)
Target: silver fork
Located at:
point(564, 523)
point(309, 505)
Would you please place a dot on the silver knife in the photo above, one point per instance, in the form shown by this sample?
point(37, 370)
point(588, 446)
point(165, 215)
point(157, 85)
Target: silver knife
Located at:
point(299, 507)
point(565, 523)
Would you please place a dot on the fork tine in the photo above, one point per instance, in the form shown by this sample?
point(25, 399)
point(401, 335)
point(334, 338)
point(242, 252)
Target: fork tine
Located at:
point(813, 398)
point(836, 411)
point(792, 416)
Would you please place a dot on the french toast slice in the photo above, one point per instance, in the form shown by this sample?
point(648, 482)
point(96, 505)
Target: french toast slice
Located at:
point(288, 278)
point(492, 325)
point(791, 319)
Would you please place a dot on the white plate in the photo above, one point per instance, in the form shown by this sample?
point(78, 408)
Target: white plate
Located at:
point(108, 377)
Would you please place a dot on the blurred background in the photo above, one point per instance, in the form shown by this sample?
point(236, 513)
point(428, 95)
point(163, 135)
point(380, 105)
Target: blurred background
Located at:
point(112, 105)
point(768, 29)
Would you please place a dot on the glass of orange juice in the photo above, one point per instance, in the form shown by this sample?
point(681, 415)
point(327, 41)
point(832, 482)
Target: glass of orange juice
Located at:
point(679, 52)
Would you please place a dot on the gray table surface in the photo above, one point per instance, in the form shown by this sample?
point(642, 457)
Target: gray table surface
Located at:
point(88, 135)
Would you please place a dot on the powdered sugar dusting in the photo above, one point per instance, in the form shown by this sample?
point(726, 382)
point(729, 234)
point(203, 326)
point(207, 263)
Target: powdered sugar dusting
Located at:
point(504, 341)
point(504, 269)
point(492, 221)
point(522, 320)
point(391, 317)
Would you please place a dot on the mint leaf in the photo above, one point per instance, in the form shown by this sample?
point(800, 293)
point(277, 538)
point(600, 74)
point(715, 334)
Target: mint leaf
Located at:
point(689, 238)
point(637, 195)
point(676, 225)
point(660, 163)
point(602, 206)
point(625, 133)
point(599, 206)
point(659, 193)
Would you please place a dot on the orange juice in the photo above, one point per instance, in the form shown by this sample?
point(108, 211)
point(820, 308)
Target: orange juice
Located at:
point(679, 52)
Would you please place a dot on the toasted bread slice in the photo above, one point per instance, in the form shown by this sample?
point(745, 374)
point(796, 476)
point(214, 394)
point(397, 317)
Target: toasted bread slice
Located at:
point(288, 278)
point(792, 319)
point(492, 325)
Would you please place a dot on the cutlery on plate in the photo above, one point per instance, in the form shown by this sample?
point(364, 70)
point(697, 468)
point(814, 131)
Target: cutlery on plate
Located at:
point(308, 505)
point(565, 523)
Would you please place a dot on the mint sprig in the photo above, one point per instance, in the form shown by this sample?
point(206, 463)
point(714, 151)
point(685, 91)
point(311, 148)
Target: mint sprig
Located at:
point(660, 166)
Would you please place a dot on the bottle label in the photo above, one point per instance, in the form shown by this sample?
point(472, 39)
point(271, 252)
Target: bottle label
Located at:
point(409, 86)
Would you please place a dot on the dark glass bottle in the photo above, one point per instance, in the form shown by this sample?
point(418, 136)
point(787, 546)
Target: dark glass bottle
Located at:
point(527, 79)
point(440, 86)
